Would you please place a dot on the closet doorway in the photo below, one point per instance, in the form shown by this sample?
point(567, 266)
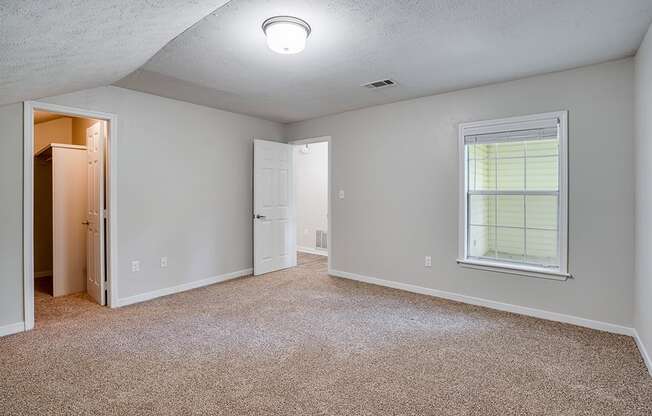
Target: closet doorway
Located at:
point(67, 169)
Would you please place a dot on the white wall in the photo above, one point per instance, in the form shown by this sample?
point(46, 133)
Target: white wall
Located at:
point(184, 191)
point(311, 172)
point(398, 166)
point(11, 209)
point(643, 288)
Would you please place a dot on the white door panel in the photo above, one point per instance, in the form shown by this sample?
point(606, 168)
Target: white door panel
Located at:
point(95, 137)
point(274, 217)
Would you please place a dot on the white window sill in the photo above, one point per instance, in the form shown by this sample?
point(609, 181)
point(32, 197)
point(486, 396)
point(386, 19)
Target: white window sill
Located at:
point(514, 269)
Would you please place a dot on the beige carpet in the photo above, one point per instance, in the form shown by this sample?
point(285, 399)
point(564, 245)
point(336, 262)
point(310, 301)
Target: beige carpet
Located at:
point(299, 342)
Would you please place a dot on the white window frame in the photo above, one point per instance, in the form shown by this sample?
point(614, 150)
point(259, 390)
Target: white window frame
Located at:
point(503, 125)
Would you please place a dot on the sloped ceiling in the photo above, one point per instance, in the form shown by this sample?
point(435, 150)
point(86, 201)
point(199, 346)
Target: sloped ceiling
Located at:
point(427, 46)
point(44, 116)
point(49, 47)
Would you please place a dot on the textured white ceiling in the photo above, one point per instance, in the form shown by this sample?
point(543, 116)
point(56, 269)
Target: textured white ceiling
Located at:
point(49, 47)
point(427, 46)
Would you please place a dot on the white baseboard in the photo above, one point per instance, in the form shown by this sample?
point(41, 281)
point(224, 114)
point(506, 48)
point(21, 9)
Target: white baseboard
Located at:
point(311, 250)
point(12, 329)
point(182, 288)
point(45, 273)
point(641, 347)
point(522, 310)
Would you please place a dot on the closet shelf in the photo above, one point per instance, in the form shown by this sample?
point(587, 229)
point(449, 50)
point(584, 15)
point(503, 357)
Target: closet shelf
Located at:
point(45, 153)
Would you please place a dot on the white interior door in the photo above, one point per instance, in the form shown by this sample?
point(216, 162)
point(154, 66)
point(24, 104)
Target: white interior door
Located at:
point(274, 213)
point(95, 138)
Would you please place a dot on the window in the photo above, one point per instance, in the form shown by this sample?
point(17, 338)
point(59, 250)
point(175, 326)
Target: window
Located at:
point(513, 195)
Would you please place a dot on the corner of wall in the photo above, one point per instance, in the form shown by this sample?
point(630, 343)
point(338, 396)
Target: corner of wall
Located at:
point(643, 199)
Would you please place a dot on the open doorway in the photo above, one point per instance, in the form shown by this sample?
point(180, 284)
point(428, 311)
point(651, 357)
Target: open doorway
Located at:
point(66, 229)
point(68, 195)
point(311, 181)
point(291, 203)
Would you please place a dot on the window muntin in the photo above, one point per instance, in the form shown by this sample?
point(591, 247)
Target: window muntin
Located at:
point(513, 192)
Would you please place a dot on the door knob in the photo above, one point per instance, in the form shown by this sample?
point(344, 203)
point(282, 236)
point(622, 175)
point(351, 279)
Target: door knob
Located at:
point(85, 223)
point(260, 217)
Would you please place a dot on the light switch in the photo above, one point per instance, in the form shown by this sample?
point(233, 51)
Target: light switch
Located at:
point(428, 261)
point(164, 262)
point(340, 194)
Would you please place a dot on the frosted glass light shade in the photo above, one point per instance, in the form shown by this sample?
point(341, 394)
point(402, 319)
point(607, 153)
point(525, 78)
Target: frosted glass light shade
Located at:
point(286, 34)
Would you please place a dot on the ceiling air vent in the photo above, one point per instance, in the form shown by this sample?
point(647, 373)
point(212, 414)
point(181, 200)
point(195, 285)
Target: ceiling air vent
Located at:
point(380, 84)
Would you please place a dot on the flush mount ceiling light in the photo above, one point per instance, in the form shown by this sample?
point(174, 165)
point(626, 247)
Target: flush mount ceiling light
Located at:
point(286, 34)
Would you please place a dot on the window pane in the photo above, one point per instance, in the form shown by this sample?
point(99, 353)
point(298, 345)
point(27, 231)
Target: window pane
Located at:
point(541, 211)
point(504, 222)
point(482, 210)
point(511, 174)
point(510, 244)
point(485, 151)
point(542, 173)
point(511, 211)
point(482, 175)
point(510, 149)
point(480, 242)
point(542, 247)
point(543, 148)
point(470, 173)
point(470, 151)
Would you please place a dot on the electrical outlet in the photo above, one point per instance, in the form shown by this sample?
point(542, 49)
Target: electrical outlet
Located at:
point(428, 261)
point(135, 266)
point(340, 194)
point(164, 262)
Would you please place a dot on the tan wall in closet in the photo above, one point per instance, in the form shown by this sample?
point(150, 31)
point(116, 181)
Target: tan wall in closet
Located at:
point(79, 126)
point(54, 131)
point(42, 218)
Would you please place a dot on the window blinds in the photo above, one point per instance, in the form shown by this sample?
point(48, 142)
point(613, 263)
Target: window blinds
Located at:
point(513, 136)
point(512, 182)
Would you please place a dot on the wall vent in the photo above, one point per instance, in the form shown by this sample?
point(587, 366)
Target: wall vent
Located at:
point(384, 83)
point(321, 239)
